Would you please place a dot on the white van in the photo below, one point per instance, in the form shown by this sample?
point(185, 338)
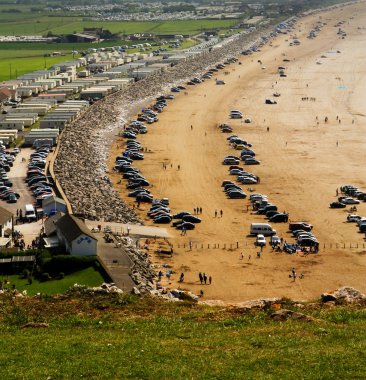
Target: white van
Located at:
point(30, 213)
point(262, 228)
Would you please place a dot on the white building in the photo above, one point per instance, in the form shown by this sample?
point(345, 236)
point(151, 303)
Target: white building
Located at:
point(6, 226)
point(75, 236)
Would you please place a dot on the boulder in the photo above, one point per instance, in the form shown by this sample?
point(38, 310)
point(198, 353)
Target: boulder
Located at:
point(285, 314)
point(344, 295)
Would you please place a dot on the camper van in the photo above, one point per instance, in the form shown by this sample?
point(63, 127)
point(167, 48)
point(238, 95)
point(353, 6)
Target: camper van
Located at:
point(262, 228)
point(30, 213)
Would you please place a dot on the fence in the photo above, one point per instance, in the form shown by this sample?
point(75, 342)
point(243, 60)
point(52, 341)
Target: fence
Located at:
point(238, 245)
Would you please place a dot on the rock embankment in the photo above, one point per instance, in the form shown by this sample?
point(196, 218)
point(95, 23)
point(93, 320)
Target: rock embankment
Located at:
point(80, 166)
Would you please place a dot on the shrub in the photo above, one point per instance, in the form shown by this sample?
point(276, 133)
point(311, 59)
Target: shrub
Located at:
point(68, 264)
point(45, 277)
point(25, 273)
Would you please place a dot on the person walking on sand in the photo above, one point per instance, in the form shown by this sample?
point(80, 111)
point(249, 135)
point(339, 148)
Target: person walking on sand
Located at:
point(293, 273)
point(200, 210)
point(205, 278)
point(215, 213)
point(242, 255)
point(191, 127)
point(200, 277)
point(221, 213)
point(178, 167)
point(194, 211)
point(210, 280)
point(181, 278)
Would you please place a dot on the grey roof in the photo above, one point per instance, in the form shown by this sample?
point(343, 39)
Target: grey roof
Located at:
point(5, 215)
point(52, 199)
point(71, 228)
point(49, 224)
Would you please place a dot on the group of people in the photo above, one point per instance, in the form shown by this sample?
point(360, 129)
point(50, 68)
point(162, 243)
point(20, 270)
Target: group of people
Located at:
point(216, 213)
point(197, 210)
point(204, 279)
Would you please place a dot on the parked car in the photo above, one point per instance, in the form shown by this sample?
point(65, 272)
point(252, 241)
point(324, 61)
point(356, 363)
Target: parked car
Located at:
point(350, 201)
point(300, 226)
point(353, 218)
point(279, 218)
point(260, 241)
point(337, 205)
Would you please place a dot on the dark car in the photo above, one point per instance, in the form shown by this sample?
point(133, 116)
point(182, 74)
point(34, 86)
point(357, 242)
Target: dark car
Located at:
point(236, 194)
point(279, 218)
point(186, 226)
point(300, 226)
point(181, 214)
point(191, 219)
point(144, 197)
point(163, 219)
point(337, 205)
point(270, 214)
point(12, 198)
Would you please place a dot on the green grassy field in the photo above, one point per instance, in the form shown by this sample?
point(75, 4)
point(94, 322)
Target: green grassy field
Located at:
point(89, 277)
point(121, 337)
point(62, 25)
point(25, 65)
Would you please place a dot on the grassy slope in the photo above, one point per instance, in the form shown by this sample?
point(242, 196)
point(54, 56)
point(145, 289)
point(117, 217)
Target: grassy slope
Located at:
point(89, 277)
point(122, 338)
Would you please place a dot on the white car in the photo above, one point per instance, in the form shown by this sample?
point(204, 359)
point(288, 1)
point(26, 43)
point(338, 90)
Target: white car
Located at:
point(353, 218)
point(275, 240)
point(260, 241)
point(350, 201)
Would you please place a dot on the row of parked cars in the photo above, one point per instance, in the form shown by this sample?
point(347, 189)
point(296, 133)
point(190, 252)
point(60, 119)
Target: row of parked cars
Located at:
point(6, 162)
point(40, 184)
point(301, 231)
point(207, 75)
point(353, 196)
point(159, 211)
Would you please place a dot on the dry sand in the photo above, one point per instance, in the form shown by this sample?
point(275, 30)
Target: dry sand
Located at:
point(300, 177)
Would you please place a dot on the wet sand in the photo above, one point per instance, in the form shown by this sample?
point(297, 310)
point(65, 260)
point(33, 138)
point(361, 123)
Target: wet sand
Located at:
point(301, 164)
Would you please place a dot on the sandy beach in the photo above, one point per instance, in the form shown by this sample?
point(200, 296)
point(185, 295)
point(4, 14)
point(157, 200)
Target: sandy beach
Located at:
point(303, 161)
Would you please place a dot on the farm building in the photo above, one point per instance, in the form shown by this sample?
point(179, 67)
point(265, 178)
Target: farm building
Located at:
point(75, 236)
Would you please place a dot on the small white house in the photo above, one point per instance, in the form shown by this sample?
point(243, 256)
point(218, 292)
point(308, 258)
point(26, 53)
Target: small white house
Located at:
point(75, 236)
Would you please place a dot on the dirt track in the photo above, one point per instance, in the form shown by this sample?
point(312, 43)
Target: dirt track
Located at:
point(300, 177)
